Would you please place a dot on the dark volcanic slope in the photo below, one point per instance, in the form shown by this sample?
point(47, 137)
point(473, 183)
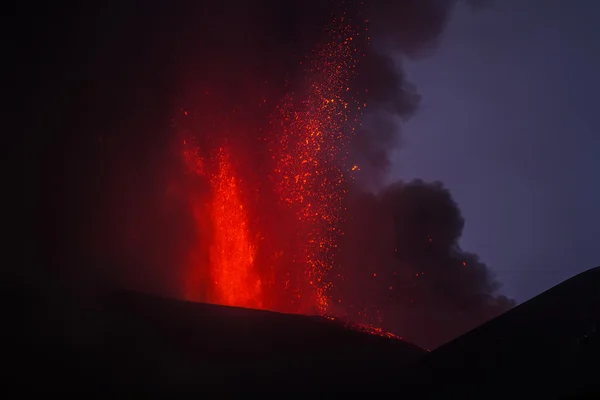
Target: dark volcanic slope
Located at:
point(550, 344)
point(185, 344)
point(139, 341)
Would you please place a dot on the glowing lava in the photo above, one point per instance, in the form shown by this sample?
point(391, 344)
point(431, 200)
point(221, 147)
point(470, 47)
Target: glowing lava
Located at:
point(305, 184)
point(232, 253)
point(224, 221)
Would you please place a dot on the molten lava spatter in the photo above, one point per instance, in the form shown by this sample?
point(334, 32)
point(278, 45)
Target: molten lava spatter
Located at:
point(309, 133)
point(311, 151)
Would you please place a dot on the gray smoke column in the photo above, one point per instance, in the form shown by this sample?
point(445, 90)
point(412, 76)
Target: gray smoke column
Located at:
point(399, 30)
point(400, 261)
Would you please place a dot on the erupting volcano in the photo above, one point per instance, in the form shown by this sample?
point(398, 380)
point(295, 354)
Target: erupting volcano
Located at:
point(234, 153)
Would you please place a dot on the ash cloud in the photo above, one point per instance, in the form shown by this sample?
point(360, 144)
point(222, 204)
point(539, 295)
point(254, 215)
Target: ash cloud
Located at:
point(403, 268)
point(400, 260)
point(399, 29)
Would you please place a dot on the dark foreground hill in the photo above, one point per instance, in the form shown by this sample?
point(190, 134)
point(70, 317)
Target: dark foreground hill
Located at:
point(133, 341)
point(549, 346)
point(116, 341)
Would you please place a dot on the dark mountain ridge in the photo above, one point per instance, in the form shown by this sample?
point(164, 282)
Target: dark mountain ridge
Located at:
point(110, 340)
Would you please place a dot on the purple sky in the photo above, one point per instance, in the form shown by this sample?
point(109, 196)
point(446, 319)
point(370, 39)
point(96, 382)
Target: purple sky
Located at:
point(509, 122)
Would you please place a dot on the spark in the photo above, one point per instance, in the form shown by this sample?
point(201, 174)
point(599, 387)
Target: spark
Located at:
point(311, 151)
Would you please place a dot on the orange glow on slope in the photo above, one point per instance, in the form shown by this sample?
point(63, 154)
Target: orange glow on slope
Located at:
point(232, 253)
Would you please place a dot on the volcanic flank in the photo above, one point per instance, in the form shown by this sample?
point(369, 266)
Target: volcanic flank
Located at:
point(228, 153)
point(136, 342)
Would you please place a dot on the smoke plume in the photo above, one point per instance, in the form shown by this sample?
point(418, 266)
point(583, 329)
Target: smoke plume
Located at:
point(118, 204)
point(403, 269)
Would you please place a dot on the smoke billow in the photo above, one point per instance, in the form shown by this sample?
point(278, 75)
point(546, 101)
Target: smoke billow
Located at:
point(403, 269)
point(116, 187)
point(400, 261)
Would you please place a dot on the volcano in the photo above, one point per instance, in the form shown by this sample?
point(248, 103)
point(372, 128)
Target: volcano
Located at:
point(224, 153)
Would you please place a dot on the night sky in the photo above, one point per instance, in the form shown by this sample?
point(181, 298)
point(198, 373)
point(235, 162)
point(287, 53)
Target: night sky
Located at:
point(508, 122)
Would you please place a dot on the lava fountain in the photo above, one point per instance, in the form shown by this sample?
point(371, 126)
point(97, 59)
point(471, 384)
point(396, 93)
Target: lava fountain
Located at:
point(306, 142)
